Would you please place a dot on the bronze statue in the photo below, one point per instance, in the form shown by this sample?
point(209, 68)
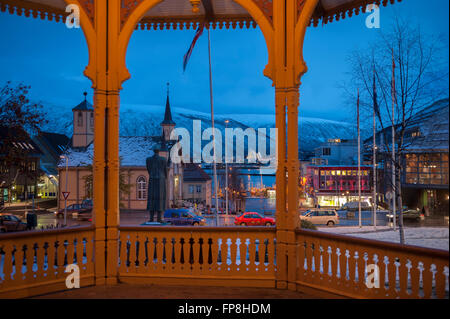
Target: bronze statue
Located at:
point(157, 167)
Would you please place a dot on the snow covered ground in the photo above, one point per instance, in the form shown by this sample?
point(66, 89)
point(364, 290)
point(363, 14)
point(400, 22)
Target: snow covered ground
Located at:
point(431, 237)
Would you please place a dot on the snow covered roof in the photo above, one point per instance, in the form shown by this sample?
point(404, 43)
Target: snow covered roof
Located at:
point(433, 133)
point(133, 151)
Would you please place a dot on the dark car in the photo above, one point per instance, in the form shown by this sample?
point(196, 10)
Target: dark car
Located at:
point(73, 209)
point(183, 217)
point(10, 223)
point(87, 203)
point(253, 219)
point(409, 214)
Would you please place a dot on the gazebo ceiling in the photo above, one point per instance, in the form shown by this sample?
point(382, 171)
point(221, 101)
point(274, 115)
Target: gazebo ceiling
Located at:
point(178, 13)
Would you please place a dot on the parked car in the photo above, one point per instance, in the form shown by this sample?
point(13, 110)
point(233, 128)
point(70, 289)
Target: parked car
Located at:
point(183, 217)
point(327, 217)
point(83, 215)
point(74, 210)
point(10, 223)
point(253, 219)
point(354, 206)
point(87, 203)
point(409, 214)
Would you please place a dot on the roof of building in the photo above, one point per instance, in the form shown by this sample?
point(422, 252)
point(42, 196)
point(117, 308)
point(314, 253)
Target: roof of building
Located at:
point(58, 142)
point(434, 133)
point(84, 106)
point(168, 114)
point(133, 151)
point(19, 139)
point(180, 12)
point(194, 173)
point(432, 124)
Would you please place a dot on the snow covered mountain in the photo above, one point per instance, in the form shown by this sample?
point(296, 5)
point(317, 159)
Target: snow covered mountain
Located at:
point(144, 120)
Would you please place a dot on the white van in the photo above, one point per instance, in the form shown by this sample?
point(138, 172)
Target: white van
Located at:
point(316, 216)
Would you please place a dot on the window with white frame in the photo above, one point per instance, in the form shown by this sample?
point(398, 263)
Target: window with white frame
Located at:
point(141, 185)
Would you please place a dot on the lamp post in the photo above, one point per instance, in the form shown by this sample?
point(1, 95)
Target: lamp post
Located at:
point(67, 178)
point(226, 174)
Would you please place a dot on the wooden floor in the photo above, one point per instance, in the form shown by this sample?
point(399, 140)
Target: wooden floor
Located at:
point(128, 291)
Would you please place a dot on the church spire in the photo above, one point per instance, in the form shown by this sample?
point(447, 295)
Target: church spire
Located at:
point(168, 114)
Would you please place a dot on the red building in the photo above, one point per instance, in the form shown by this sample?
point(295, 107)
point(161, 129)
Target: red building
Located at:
point(334, 185)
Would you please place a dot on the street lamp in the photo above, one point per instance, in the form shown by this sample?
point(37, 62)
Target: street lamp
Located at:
point(65, 196)
point(226, 174)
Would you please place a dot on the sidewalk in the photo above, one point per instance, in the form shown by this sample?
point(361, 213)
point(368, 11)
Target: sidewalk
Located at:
point(430, 237)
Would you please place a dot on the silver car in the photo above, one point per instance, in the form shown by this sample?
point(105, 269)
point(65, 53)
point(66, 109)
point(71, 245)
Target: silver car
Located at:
point(327, 217)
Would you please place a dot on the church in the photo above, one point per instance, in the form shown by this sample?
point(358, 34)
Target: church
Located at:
point(75, 166)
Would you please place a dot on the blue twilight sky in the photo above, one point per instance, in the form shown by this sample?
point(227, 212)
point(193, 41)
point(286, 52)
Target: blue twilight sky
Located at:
point(51, 58)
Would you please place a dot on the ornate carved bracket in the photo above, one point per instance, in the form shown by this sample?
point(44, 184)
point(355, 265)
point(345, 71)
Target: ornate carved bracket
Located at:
point(89, 8)
point(300, 4)
point(266, 7)
point(126, 8)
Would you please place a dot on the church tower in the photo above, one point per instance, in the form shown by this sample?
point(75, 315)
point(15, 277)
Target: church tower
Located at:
point(83, 124)
point(167, 124)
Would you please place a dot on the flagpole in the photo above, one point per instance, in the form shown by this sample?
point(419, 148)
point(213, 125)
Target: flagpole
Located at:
point(213, 130)
point(359, 164)
point(374, 163)
point(393, 143)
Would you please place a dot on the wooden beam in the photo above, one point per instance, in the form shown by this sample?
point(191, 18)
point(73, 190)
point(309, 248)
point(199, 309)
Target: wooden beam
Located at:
point(209, 11)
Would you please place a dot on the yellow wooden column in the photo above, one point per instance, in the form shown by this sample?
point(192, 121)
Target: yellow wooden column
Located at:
point(103, 70)
point(99, 165)
point(97, 72)
point(280, 123)
point(292, 96)
point(112, 143)
point(112, 210)
point(290, 20)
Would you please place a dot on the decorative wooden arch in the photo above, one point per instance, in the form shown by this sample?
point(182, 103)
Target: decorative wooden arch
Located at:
point(136, 13)
point(88, 26)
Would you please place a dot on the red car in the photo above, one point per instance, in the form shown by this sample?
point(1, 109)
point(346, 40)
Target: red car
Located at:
point(253, 219)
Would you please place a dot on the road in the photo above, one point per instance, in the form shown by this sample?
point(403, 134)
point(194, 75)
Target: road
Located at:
point(134, 218)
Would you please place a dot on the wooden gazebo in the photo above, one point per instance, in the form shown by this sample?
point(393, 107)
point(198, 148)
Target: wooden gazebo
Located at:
point(108, 26)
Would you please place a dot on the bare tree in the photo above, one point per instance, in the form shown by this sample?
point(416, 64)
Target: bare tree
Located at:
point(420, 77)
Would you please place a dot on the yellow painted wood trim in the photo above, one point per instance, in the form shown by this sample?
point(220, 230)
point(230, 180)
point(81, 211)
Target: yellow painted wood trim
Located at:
point(43, 288)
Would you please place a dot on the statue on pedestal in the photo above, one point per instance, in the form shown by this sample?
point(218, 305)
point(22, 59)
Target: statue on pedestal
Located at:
point(157, 167)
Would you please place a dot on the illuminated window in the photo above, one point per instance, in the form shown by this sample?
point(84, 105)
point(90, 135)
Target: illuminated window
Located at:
point(333, 173)
point(344, 173)
point(141, 185)
point(338, 172)
point(322, 173)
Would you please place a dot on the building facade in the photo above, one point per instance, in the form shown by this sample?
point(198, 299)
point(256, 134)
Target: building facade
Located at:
point(197, 186)
point(423, 158)
point(75, 168)
point(333, 185)
point(336, 152)
point(331, 177)
point(20, 171)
